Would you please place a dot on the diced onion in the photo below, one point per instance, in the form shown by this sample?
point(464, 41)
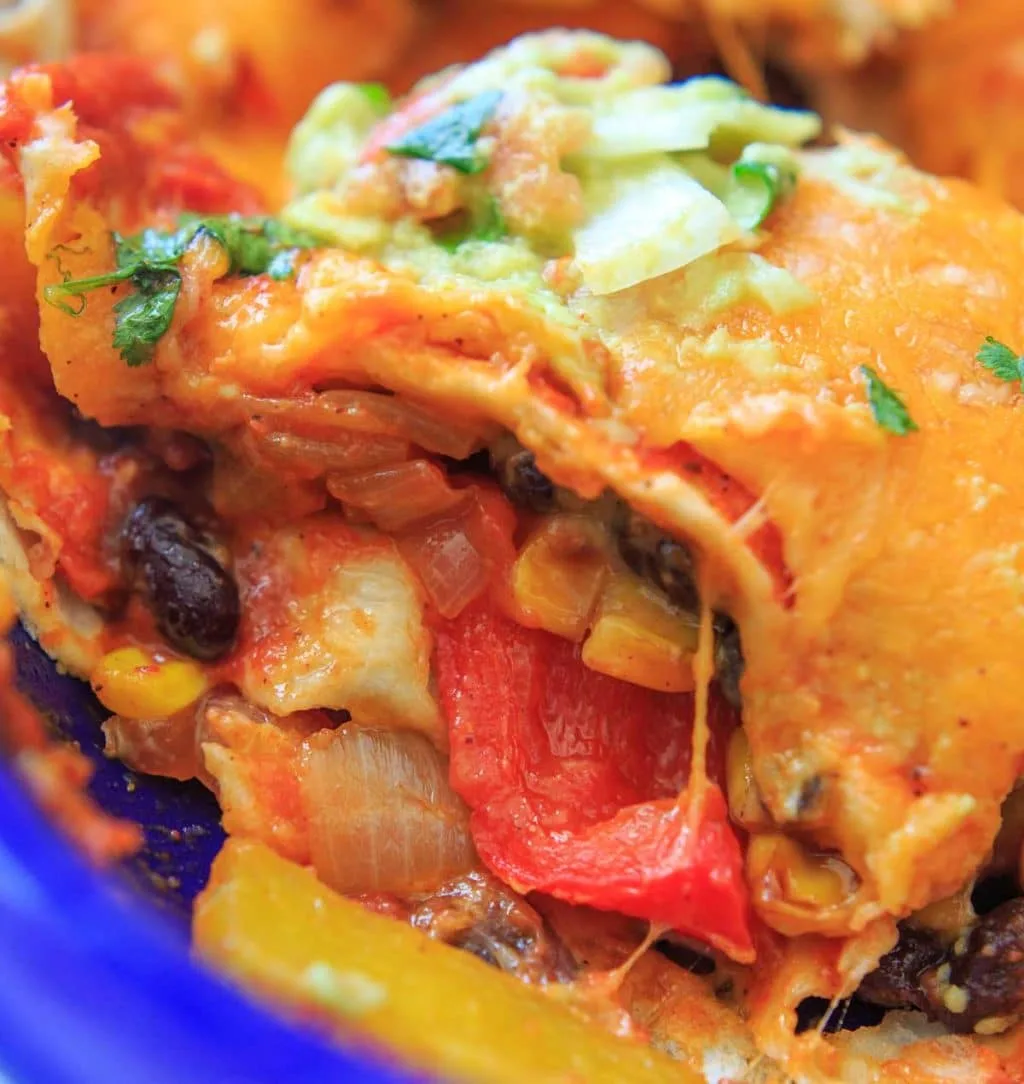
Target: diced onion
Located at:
point(396, 496)
point(646, 224)
point(382, 816)
point(449, 565)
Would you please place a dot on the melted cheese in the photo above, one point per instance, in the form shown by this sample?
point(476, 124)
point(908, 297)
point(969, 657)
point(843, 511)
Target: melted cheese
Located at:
point(255, 765)
point(332, 619)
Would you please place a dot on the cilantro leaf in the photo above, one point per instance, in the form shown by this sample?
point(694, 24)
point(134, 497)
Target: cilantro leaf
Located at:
point(451, 138)
point(55, 293)
point(251, 243)
point(1000, 360)
point(153, 248)
point(886, 406)
point(142, 318)
point(149, 262)
point(377, 95)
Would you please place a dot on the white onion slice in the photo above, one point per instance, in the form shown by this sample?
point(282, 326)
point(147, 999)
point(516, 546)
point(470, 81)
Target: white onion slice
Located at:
point(397, 495)
point(382, 816)
point(353, 411)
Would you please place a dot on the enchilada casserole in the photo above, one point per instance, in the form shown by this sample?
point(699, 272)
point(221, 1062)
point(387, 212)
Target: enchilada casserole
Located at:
point(582, 517)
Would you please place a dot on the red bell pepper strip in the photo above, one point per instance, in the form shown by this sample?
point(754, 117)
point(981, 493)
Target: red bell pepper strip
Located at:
point(573, 781)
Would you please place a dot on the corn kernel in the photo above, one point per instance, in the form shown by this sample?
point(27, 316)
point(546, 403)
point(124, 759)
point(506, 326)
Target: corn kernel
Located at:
point(994, 1025)
point(949, 916)
point(955, 999)
point(639, 637)
point(558, 575)
point(130, 682)
point(816, 882)
point(798, 891)
point(744, 801)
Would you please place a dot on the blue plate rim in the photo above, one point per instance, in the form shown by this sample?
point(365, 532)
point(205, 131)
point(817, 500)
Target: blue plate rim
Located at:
point(96, 990)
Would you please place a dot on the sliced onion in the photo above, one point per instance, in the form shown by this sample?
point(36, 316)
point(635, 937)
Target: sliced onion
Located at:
point(328, 412)
point(422, 425)
point(451, 568)
point(396, 496)
point(382, 816)
point(309, 457)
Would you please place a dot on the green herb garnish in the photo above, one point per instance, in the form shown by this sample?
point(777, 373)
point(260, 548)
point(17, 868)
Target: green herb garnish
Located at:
point(377, 95)
point(149, 262)
point(142, 318)
point(1000, 360)
point(886, 406)
point(486, 224)
point(451, 138)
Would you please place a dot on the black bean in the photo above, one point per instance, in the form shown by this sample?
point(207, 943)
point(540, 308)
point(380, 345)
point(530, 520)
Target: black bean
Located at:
point(193, 598)
point(526, 484)
point(979, 978)
point(477, 944)
point(988, 965)
point(668, 565)
point(729, 662)
point(477, 913)
point(657, 558)
point(498, 944)
point(896, 982)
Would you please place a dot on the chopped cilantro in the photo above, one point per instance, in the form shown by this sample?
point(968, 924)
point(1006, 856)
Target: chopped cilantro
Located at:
point(491, 224)
point(377, 95)
point(486, 224)
point(1000, 360)
point(154, 248)
point(251, 243)
point(142, 318)
point(886, 406)
point(149, 262)
point(57, 294)
point(451, 138)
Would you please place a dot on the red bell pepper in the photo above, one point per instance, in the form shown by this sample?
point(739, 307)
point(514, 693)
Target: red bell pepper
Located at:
point(574, 778)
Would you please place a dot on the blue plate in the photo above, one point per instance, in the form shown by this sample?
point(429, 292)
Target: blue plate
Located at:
point(96, 984)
